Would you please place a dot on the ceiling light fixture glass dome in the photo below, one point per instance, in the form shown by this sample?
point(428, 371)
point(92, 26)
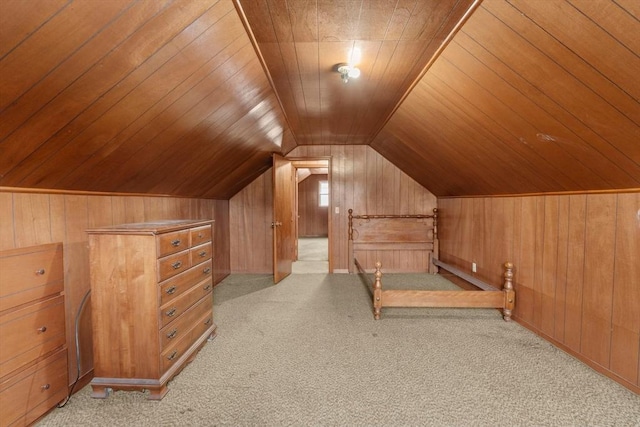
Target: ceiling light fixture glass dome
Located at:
point(347, 71)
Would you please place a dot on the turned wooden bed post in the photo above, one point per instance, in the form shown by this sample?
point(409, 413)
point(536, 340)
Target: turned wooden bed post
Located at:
point(351, 265)
point(509, 293)
point(377, 292)
point(433, 269)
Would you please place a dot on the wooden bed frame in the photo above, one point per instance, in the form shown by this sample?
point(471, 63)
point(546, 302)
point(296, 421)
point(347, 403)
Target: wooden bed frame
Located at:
point(419, 232)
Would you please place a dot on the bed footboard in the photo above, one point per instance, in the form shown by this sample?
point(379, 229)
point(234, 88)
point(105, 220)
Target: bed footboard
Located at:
point(488, 297)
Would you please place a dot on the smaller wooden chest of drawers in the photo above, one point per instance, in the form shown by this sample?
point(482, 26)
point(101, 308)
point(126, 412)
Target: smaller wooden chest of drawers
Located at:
point(33, 354)
point(152, 302)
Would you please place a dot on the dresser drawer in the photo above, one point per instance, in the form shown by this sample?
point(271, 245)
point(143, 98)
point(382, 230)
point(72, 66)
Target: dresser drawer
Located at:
point(175, 330)
point(31, 332)
point(26, 396)
point(181, 283)
point(200, 235)
point(176, 307)
point(173, 353)
point(170, 243)
point(201, 253)
point(30, 273)
point(174, 264)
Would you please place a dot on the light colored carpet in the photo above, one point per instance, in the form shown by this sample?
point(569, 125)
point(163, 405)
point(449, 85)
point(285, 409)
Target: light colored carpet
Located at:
point(313, 249)
point(307, 352)
point(313, 256)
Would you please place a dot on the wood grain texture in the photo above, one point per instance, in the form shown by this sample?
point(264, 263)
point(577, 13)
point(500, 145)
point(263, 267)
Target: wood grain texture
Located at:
point(488, 103)
point(575, 278)
point(179, 76)
point(145, 97)
point(625, 319)
point(28, 219)
point(463, 299)
point(302, 42)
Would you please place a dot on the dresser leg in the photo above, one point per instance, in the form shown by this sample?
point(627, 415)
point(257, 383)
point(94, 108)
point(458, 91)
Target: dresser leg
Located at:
point(99, 392)
point(157, 393)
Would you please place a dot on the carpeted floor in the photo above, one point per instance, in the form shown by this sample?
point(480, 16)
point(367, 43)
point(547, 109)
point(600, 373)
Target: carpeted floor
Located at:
point(313, 256)
point(307, 352)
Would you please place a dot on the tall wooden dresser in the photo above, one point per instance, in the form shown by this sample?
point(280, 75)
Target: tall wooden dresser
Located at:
point(151, 300)
point(33, 344)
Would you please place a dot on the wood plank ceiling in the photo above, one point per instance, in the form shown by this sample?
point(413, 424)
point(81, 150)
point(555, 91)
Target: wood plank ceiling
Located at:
point(158, 96)
point(190, 98)
point(530, 96)
point(303, 42)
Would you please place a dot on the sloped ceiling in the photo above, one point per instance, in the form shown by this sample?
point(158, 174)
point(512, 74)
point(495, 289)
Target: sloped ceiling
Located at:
point(190, 98)
point(303, 43)
point(530, 96)
point(154, 96)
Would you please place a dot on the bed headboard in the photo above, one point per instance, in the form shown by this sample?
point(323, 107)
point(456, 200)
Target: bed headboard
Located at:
point(394, 237)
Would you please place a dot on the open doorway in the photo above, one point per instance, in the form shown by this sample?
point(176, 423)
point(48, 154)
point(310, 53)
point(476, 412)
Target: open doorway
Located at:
point(312, 202)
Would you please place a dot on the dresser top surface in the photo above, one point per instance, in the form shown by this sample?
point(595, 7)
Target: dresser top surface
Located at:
point(153, 227)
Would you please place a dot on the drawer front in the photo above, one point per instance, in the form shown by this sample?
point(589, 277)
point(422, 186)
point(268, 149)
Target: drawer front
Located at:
point(181, 283)
point(31, 332)
point(201, 253)
point(173, 353)
point(27, 396)
point(174, 331)
point(174, 264)
point(171, 311)
point(30, 275)
point(200, 235)
point(170, 243)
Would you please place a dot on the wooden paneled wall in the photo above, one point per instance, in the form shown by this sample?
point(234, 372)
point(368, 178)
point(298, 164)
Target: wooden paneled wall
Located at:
point(361, 179)
point(577, 275)
point(28, 219)
point(312, 218)
point(250, 216)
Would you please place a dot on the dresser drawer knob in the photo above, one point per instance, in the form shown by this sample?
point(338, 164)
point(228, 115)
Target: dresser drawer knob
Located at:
point(172, 334)
point(176, 265)
point(200, 235)
point(171, 290)
point(203, 254)
point(208, 322)
point(207, 287)
point(176, 242)
point(206, 270)
point(42, 329)
point(171, 312)
point(172, 355)
point(46, 387)
point(40, 272)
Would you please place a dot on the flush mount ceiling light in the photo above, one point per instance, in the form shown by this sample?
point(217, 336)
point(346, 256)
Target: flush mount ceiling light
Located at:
point(348, 72)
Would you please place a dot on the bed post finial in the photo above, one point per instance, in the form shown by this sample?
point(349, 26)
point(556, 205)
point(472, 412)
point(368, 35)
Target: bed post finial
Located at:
point(377, 292)
point(509, 293)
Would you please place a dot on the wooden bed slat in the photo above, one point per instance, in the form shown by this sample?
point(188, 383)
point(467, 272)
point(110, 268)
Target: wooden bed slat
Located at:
point(461, 274)
point(464, 299)
point(390, 246)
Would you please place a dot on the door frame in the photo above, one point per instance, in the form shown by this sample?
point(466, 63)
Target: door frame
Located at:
point(314, 162)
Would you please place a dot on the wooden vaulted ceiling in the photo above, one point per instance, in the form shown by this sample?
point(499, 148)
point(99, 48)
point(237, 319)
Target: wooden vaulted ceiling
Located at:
point(190, 98)
point(303, 42)
point(152, 96)
point(530, 96)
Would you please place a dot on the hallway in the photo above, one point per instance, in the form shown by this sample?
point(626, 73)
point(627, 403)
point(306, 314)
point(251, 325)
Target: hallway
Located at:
point(313, 256)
